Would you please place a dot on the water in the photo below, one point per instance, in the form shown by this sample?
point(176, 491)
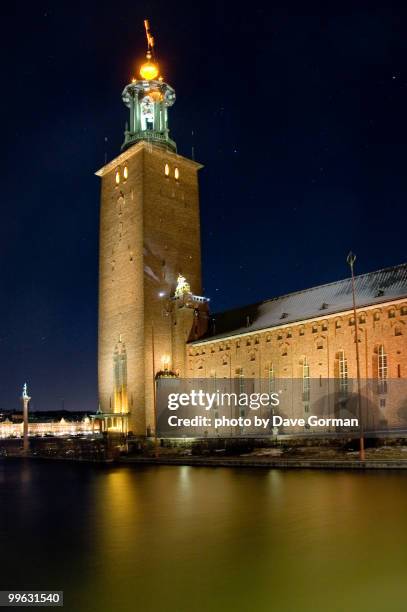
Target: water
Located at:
point(185, 539)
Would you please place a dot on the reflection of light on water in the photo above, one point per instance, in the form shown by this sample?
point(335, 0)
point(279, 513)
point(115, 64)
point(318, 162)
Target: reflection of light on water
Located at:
point(275, 478)
point(185, 476)
point(119, 504)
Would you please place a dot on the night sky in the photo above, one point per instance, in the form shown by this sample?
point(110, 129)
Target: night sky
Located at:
point(299, 116)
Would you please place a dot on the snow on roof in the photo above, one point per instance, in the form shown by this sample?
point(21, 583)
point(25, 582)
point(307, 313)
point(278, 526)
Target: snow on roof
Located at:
point(373, 288)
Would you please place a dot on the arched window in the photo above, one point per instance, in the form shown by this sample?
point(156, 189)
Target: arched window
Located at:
point(167, 170)
point(176, 174)
point(319, 342)
point(284, 349)
point(117, 176)
point(125, 173)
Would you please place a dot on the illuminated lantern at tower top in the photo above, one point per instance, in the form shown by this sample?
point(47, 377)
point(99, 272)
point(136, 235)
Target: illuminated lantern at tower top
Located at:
point(148, 99)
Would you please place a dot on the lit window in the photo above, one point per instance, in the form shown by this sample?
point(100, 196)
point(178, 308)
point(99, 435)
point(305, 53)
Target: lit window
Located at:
point(167, 170)
point(117, 177)
point(382, 369)
point(343, 372)
point(126, 173)
point(176, 174)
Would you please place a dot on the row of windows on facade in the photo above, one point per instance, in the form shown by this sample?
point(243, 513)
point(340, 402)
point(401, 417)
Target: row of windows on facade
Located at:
point(398, 331)
point(341, 367)
point(124, 175)
point(121, 174)
point(167, 171)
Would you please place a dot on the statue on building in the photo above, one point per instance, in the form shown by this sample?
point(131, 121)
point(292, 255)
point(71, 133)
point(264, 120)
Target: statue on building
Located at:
point(183, 286)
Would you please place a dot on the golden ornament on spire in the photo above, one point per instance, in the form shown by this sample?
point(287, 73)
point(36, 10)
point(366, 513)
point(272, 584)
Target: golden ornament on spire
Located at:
point(149, 70)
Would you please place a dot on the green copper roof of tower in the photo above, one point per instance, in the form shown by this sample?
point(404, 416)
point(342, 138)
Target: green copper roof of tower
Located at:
point(148, 102)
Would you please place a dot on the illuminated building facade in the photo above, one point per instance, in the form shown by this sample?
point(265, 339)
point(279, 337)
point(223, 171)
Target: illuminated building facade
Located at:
point(149, 235)
point(60, 427)
point(152, 317)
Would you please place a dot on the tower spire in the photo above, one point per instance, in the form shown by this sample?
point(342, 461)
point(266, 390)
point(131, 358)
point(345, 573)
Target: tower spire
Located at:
point(148, 99)
point(150, 38)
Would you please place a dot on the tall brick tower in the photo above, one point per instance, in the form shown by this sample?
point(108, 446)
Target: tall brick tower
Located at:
point(149, 235)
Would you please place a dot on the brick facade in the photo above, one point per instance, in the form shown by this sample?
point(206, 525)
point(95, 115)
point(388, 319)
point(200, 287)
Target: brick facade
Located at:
point(149, 233)
point(319, 340)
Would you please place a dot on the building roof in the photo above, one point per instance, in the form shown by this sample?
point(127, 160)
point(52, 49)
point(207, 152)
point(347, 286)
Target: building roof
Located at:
point(370, 289)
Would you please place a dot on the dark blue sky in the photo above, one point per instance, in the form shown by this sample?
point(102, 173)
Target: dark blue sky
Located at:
point(298, 114)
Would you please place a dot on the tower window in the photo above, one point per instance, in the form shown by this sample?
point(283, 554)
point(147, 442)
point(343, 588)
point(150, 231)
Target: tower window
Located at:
point(117, 177)
point(125, 173)
point(166, 170)
point(176, 174)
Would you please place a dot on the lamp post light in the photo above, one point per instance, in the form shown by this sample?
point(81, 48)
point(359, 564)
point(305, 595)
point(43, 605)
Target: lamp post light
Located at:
point(351, 261)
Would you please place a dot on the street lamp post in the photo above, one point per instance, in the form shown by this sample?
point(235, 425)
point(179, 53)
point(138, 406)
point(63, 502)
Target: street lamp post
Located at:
point(351, 261)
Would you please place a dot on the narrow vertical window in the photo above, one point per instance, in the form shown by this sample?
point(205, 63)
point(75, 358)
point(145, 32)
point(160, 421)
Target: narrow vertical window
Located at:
point(240, 376)
point(125, 173)
point(382, 369)
point(270, 372)
point(176, 174)
point(117, 177)
point(213, 380)
point(166, 170)
point(343, 372)
point(306, 382)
